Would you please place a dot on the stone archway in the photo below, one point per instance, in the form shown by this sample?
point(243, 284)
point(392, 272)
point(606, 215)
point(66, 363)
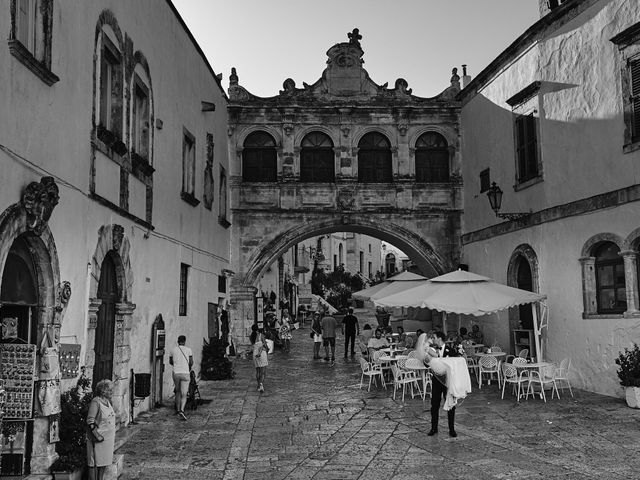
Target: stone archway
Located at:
point(289, 230)
point(113, 241)
point(28, 220)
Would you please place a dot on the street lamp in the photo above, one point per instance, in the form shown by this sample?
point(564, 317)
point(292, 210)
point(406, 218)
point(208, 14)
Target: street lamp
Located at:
point(495, 200)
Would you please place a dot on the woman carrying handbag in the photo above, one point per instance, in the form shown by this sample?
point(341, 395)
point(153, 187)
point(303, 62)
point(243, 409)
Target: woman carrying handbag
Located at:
point(101, 435)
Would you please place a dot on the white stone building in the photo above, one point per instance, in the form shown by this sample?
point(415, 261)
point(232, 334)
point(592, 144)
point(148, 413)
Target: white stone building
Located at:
point(113, 198)
point(554, 121)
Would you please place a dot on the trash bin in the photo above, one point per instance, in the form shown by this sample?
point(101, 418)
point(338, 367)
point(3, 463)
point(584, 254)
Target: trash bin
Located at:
point(142, 385)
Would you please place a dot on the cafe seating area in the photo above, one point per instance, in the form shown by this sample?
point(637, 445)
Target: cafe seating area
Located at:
point(524, 377)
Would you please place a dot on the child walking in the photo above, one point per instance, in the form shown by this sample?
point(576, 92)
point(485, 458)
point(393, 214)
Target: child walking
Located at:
point(260, 351)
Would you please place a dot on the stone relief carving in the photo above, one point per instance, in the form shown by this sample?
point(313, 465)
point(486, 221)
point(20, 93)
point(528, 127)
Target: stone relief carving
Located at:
point(402, 129)
point(354, 37)
point(39, 200)
point(402, 86)
point(117, 234)
point(346, 200)
point(288, 128)
point(345, 129)
point(208, 192)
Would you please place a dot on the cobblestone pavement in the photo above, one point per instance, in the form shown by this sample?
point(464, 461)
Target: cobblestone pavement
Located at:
point(313, 422)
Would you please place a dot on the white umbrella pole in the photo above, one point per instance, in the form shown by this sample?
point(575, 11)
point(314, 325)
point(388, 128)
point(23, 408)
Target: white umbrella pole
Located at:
point(444, 322)
point(536, 332)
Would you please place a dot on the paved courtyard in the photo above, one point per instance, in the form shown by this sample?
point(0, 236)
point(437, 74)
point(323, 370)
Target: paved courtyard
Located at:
point(313, 422)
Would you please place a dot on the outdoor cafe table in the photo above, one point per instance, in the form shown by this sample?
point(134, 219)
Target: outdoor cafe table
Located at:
point(492, 354)
point(532, 366)
point(389, 358)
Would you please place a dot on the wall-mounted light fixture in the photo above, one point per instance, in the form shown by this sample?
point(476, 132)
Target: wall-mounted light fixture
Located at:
point(495, 200)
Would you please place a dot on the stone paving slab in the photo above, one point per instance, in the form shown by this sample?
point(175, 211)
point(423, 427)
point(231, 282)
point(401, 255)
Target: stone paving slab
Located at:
point(314, 423)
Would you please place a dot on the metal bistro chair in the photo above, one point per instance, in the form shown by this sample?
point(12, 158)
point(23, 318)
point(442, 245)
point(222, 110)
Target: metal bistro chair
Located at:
point(545, 377)
point(488, 365)
point(510, 375)
point(472, 362)
point(371, 371)
point(562, 375)
point(402, 378)
point(375, 359)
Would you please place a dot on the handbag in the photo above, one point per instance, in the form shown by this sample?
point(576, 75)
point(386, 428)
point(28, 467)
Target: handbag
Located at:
point(311, 334)
point(49, 360)
point(49, 397)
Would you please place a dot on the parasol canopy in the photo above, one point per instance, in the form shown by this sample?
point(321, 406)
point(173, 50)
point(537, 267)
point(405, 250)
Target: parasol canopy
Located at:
point(395, 284)
point(465, 293)
point(460, 292)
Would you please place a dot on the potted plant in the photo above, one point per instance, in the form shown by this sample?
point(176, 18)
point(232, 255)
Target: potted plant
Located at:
point(629, 373)
point(71, 449)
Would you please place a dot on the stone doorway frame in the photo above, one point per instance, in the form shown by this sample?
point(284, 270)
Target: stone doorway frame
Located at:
point(111, 238)
point(526, 252)
point(16, 221)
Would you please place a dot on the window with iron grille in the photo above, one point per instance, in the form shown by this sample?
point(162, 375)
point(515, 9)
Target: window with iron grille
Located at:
point(259, 158)
point(374, 159)
point(184, 277)
point(432, 158)
point(485, 180)
point(317, 162)
point(222, 284)
point(361, 270)
point(610, 279)
point(526, 127)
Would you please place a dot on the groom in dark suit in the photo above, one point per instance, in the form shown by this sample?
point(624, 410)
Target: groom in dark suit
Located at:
point(439, 390)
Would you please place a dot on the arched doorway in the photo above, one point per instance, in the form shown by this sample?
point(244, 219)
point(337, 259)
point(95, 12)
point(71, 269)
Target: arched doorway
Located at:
point(19, 299)
point(525, 282)
point(105, 327)
point(390, 264)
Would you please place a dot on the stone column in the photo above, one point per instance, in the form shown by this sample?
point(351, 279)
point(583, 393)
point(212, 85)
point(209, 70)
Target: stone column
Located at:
point(241, 315)
point(90, 354)
point(121, 357)
point(631, 281)
point(589, 291)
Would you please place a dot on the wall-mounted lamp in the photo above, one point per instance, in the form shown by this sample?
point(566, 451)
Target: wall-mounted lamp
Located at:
point(495, 200)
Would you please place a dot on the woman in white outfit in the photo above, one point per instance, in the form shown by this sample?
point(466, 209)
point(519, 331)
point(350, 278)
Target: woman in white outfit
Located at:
point(101, 418)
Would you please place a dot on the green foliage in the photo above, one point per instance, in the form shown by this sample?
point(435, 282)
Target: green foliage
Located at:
point(336, 286)
point(74, 404)
point(629, 366)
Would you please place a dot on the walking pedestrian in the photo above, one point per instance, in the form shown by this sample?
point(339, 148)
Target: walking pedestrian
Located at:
point(316, 332)
point(260, 358)
point(350, 329)
point(329, 337)
point(182, 360)
point(285, 331)
point(101, 419)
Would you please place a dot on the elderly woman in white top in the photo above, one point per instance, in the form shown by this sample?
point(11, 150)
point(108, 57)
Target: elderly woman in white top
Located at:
point(101, 419)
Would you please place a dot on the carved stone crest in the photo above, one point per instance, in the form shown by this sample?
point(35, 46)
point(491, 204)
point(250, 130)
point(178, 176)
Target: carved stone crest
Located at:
point(117, 235)
point(346, 200)
point(39, 200)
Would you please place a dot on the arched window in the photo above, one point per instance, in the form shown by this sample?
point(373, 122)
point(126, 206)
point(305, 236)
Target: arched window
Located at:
point(374, 159)
point(610, 282)
point(390, 263)
point(432, 158)
point(259, 158)
point(317, 158)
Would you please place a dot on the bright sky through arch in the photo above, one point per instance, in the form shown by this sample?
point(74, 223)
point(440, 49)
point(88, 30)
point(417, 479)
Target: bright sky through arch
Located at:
point(418, 40)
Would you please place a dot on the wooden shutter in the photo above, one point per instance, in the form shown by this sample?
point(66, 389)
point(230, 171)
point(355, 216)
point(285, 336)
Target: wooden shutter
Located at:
point(634, 69)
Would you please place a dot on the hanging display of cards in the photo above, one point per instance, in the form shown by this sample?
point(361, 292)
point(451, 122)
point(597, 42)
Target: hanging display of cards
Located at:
point(17, 367)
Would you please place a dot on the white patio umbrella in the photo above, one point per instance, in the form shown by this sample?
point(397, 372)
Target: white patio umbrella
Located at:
point(397, 283)
point(469, 294)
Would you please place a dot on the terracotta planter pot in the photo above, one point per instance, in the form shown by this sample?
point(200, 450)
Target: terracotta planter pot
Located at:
point(632, 395)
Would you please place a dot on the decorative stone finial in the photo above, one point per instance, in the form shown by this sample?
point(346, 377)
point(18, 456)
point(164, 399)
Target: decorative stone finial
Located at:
point(455, 78)
point(354, 37)
point(233, 78)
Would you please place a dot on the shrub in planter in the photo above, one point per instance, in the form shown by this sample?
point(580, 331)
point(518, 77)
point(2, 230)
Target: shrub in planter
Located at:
point(71, 449)
point(629, 374)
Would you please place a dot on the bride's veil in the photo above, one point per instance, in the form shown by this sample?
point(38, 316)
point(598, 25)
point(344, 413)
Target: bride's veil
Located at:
point(422, 345)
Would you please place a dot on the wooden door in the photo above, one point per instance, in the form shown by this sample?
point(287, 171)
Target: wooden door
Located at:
point(105, 328)
point(212, 320)
point(525, 282)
